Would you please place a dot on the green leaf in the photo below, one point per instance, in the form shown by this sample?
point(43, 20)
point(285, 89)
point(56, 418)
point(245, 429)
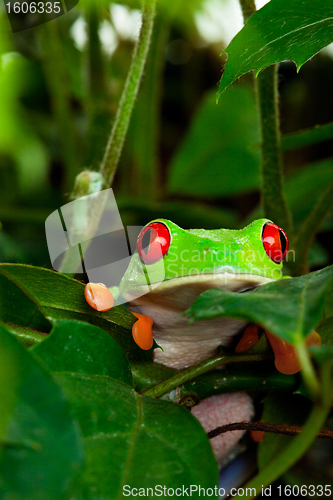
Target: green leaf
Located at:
point(282, 30)
point(219, 156)
point(41, 449)
point(135, 440)
point(74, 346)
point(280, 409)
point(47, 294)
point(289, 308)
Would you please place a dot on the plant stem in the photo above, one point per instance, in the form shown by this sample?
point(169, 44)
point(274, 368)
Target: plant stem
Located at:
point(272, 194)
point(308, 232)
point(290, 455)
point(123, 115)
point(308, 371)
point(196, 370)
point(318, 133)
point(273, 198)
point(248, 8)
point(286, 429)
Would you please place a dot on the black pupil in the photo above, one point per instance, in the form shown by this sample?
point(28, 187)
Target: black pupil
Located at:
point(146, 240)
point(283, 242)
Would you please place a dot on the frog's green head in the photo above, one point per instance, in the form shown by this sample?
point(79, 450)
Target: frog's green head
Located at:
point(168, 256)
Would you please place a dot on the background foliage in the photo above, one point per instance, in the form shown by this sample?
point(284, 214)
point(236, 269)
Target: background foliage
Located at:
point(186, 159)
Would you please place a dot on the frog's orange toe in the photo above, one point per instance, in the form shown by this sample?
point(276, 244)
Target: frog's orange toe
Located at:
point(286, 358)
point(98, 296)
point(249, 338)
point(142, 331)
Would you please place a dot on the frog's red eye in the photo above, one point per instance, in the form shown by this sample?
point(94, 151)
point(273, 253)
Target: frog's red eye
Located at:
point(153, 242)
point(275, 242)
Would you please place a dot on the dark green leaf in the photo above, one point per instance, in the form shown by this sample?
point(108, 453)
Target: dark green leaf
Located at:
point(219, 156)
point(50, 295)
point(281, 30)
point(134, 440)
point(289, 308)
point(41, 449)
point(74, 346)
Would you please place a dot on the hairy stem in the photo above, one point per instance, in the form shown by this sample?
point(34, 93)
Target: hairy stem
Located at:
point(120, 126)
point(196, 370)
point(272, 194)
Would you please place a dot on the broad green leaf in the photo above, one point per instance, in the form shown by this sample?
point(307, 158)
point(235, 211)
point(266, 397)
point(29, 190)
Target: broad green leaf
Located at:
point(280, 409)
point(135, 440)
point(41, 449)
point(49, 296)
point(74, 346)
point(289, 308)
point(219, 156)
point(18, 308)
point(281, 30)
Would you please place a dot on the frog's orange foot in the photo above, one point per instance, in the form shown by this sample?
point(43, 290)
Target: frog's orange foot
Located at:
point(98, 296)
point(257, 436)
point(249, 338)
point(142, 331)
point(285, 355)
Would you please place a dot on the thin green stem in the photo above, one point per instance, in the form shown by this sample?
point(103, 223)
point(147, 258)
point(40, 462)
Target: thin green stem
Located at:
point(296, 140)
point(308, 372)
point(308, 232)
point(290, 455)
point(196, 370)
point(120, 126)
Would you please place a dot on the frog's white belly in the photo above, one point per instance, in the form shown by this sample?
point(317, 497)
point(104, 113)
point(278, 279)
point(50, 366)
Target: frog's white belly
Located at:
point(186, 344)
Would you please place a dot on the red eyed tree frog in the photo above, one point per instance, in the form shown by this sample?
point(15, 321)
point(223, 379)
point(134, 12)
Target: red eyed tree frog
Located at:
point(185, 263)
